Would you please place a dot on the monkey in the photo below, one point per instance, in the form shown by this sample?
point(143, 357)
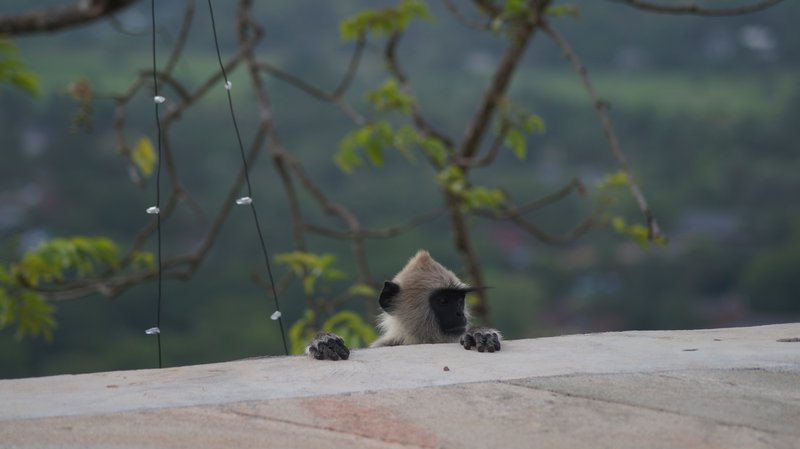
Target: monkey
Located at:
point(423, 303)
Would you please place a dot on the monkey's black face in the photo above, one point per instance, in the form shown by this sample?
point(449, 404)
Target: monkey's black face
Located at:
point(448, 306)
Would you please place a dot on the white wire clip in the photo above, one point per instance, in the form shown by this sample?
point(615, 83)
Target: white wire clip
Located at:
point(244, 201)
point(159, 99)
point(228, 85)
point(153, 331)
point(275, 316)
point(153, 210)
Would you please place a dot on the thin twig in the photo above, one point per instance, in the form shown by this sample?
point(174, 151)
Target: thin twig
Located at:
point(511, 212)
point(381, 233)
point(390, 55)
point(653, 230)
point(558, 195)
point(455, 12)
point(494, 150)
point(337, 96)
point(55, 19)
point(496, 90)
point(183, 34)
point(697, 10)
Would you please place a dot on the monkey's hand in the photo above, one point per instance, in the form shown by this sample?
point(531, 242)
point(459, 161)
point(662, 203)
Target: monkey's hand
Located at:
point(328, 346)
point(482, 338)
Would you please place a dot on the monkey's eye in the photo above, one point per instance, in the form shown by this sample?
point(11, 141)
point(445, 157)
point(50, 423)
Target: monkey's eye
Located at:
point(443, 300)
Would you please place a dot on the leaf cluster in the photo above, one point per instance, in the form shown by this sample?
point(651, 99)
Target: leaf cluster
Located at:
point(471, 197)
point(311, 268)
point(51, 262)
point(144, 156)
point(384, 21)
point(606, 186)
point(516, 123)
point(375, 138)
point(389, 97)
point(13, 71)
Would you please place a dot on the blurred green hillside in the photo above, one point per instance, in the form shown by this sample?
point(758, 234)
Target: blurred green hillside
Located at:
point(707, 110)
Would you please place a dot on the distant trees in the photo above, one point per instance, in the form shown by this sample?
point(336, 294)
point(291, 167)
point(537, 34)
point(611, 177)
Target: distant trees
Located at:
point(64, 269)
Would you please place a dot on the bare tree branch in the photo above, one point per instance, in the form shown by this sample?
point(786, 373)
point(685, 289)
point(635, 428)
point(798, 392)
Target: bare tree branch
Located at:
point(521, 33)
point(287, 164)
point(694, 9)
point(390, 54)
point(455, 12)
point(183, 34)
point(381, 233)
point(511, 212)
point(653, 230)
point(558, 195)
point(494, 150)
point(336, 97)
point(55, 19)
point(497, 88)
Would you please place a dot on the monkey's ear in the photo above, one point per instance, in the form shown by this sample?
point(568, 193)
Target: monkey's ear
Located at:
point(388, 296)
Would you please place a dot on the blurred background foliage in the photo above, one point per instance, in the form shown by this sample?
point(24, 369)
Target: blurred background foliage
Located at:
point(706, 109)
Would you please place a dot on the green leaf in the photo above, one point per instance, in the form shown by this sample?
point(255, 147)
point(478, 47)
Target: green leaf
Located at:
point(363, 290)
point(383, 21)
point(638, 232)
point(374, 152)
point(404, 139)
point(144, 157)
point(5, 276)
point(308, 285)
point(389, 97)
point(516, 141)
point(347, 158)
point(515, 7)
point(13, 71)
point(54, 259)
point(434, 148)
point(373, 138)
point(143, 260)
point(477, 197)
point(26, 81)
point(311, 267)
point(33, 316)
point(5, 308)
point(453, 179)
point(533, 124)
point(616, 179)
point(560, 11)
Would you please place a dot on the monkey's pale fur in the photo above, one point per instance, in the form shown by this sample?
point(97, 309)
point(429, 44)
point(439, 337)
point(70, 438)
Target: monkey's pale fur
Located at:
point(412, 321)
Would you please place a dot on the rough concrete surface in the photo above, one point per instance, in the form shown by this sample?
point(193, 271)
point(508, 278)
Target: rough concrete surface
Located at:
point(720, 388)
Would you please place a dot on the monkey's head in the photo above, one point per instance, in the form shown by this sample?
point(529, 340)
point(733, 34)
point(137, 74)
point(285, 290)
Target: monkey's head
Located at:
point(424, 303)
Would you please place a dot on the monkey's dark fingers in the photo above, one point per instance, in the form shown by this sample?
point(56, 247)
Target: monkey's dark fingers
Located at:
point(467, 341)
point(340, 349)
point(328, 350)
point(494, 342)
point(489, 344)
point(328, 346)
point(480, 338)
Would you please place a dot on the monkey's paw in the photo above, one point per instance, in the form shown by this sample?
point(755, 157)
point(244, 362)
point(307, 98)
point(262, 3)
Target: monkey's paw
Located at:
point(328, 346)
point(482, 338)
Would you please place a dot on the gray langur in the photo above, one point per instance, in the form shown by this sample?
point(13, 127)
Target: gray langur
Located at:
point(424, 303)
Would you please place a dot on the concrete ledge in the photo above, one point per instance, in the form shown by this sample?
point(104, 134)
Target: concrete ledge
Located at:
point(703, 388)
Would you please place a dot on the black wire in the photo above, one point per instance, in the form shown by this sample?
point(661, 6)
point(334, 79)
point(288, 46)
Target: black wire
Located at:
point(158, 182)
point(247, 179)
